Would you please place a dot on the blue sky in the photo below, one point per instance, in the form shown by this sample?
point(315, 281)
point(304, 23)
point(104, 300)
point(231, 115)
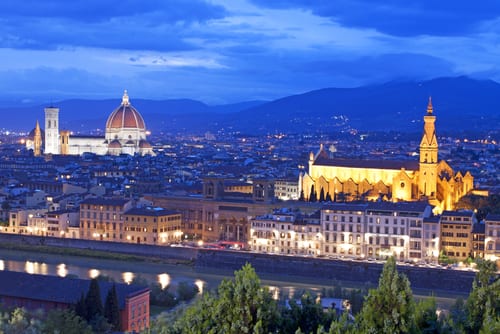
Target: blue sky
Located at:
point(224, 51)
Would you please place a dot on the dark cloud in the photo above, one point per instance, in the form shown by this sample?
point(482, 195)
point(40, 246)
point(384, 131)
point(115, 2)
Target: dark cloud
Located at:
point(135, 25)
point(400, 18)
point(104, 10)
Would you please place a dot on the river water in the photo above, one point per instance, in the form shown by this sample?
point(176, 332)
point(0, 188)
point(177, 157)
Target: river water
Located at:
point(164, 274)
point(125, 272)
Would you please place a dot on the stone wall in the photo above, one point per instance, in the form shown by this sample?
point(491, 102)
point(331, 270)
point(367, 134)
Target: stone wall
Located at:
point(433, 279)
point(164, 252)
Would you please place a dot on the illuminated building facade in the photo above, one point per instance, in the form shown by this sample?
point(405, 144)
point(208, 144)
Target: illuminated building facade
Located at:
point(492, 237)
point(152, 226)
point(103, 219)
point(125, 134)
point(354, 179)
point(456, 234)
point(285, 232)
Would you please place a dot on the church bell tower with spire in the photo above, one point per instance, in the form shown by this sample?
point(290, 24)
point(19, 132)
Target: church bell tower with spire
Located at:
point(428, 155)
point(37, 141)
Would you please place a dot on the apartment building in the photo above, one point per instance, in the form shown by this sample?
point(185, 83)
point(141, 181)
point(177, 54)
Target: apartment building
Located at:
point(103, 218)
point(152, 225)
point(492, 237)
point(286, 232)
point(456, 234)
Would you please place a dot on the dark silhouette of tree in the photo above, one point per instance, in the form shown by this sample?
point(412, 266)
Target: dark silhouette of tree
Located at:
point(312, 194)
point(322, 195)
point(81, 307)
point(328, 197)
point(301, 197)
point(112, 309)
point(93, 303)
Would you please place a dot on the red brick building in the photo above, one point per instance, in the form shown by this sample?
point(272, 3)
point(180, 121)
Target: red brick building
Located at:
point(50, 292)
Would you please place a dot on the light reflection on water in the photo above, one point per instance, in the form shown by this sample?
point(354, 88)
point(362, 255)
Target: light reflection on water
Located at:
point(65, 270)
point(164, 280)
point(128, 277)
point(61, 270)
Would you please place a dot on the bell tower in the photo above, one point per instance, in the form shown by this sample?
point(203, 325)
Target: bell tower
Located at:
point(51, 130)
point(428, 155)
point(37, 140)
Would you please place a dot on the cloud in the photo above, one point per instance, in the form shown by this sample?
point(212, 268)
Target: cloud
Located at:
point(130, 25)
point(400, 18)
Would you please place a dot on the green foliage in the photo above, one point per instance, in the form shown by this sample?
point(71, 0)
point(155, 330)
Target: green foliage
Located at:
point(19, 321)
point(187, 291)
point(162, 297)
point(112, 309)
point(65, 321)
point(240, 306)
point(426, 319)
point(484, 299)
point(389, 308)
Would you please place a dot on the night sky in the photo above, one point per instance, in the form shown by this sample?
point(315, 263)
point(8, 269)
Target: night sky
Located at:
point(224, 51)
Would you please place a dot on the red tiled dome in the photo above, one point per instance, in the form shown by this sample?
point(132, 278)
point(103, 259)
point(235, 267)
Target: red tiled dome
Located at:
point(144, 144)
point(125, 116)
point(114, 144)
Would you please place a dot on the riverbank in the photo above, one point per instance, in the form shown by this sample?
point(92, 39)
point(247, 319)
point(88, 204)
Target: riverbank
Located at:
point(90, 253)
point(304, 270)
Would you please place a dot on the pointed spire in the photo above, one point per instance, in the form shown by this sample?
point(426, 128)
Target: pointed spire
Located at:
point(125, 101)
point(429, 106)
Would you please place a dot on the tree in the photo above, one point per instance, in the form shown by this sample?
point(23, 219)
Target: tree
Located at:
point(484, 298)
point(81, 307)
point(328, 197)
point(65, 321)
point(93, 303)
point(301, 197)
point(187, 291)
point(322, 195)
point(390, 307)
point(111, 308)
point(426, 319)
point(312, 194)
point(241, 305)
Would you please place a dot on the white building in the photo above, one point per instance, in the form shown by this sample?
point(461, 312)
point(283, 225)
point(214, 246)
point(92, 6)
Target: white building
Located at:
point(125, 134)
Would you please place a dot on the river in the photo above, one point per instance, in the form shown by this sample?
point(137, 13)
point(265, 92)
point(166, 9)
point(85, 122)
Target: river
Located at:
point(164, 274)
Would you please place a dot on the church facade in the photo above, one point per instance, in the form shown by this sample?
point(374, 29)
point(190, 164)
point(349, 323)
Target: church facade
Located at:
point(354, 179)
point(125, 134)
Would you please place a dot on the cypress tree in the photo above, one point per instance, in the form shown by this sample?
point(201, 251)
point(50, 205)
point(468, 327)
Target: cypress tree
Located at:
point(93, 303)
point(322, 195)
point(328, 197)
point(111, 308)
point(81, 308)
point(312, 195)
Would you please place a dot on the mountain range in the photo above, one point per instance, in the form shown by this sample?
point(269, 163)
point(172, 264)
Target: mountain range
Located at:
point(460, 103)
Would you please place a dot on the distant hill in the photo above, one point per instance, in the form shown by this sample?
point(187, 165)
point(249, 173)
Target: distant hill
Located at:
point(459, 103)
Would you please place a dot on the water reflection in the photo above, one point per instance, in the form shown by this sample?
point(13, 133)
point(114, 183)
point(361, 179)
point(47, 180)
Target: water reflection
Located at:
point(200, 284)
point(2, 265)
point(275, 292)
point(94, 273)
point(61, 270)
point(164, 280)
point(128, 277)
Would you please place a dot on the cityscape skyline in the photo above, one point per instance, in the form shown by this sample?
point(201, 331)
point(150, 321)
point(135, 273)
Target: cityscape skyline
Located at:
point(228, 51)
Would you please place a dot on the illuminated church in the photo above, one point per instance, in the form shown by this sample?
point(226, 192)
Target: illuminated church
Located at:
point(392, 180)
point(125, 134)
